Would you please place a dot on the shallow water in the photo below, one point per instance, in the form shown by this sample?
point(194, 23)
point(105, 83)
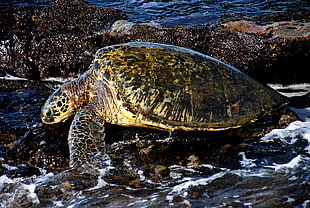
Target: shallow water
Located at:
point(158, 169)
point(184, 12)
point(196, 12)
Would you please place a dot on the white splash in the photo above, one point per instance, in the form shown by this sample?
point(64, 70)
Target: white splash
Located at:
point(292, 89)
point(103, 172)
point(290, 135)
point(245, 162)
point(181, 189)
point(13, 78)
point(19, 193)
point(101, 183)
point(32, 196)
point(287, 166)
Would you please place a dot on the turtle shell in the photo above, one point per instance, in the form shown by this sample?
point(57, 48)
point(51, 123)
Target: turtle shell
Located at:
point(181, 88)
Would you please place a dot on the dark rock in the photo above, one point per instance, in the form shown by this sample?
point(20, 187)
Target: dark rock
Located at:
point(279, 52)
point(24, 139)
point(300, 101)
point(54, 41)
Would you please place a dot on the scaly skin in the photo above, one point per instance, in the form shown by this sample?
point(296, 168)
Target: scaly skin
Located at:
point(86, 137)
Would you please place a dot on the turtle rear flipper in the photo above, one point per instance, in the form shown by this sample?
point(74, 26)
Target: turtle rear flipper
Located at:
point(86, 137)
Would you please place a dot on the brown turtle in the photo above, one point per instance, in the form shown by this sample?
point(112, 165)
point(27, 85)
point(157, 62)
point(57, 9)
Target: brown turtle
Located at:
point(159, 86)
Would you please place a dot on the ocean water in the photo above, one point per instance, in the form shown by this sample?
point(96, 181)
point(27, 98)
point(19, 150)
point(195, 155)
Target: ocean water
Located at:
point(183, 12)
point(197, 12)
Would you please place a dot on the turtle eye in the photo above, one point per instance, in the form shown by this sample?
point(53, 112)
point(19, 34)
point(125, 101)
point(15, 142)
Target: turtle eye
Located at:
point(48, 113)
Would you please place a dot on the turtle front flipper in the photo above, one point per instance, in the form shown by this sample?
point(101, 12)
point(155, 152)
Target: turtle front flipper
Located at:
point(86, 137)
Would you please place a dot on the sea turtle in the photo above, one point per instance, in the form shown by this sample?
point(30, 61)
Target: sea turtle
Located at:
point(166, 87)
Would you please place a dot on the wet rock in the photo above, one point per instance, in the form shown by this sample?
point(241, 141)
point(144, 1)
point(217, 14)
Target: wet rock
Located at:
point(24, 139)
point(284, 52)
point(285, 30)
point(300, 101)
point(57, 40)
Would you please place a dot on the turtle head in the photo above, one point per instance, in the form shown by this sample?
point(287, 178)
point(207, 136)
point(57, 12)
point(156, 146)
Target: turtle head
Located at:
point(58, 107)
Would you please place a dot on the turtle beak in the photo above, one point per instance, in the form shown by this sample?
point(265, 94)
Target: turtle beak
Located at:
point(48, 120)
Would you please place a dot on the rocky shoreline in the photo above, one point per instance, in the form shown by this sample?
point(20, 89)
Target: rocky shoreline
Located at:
point(61, 40)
